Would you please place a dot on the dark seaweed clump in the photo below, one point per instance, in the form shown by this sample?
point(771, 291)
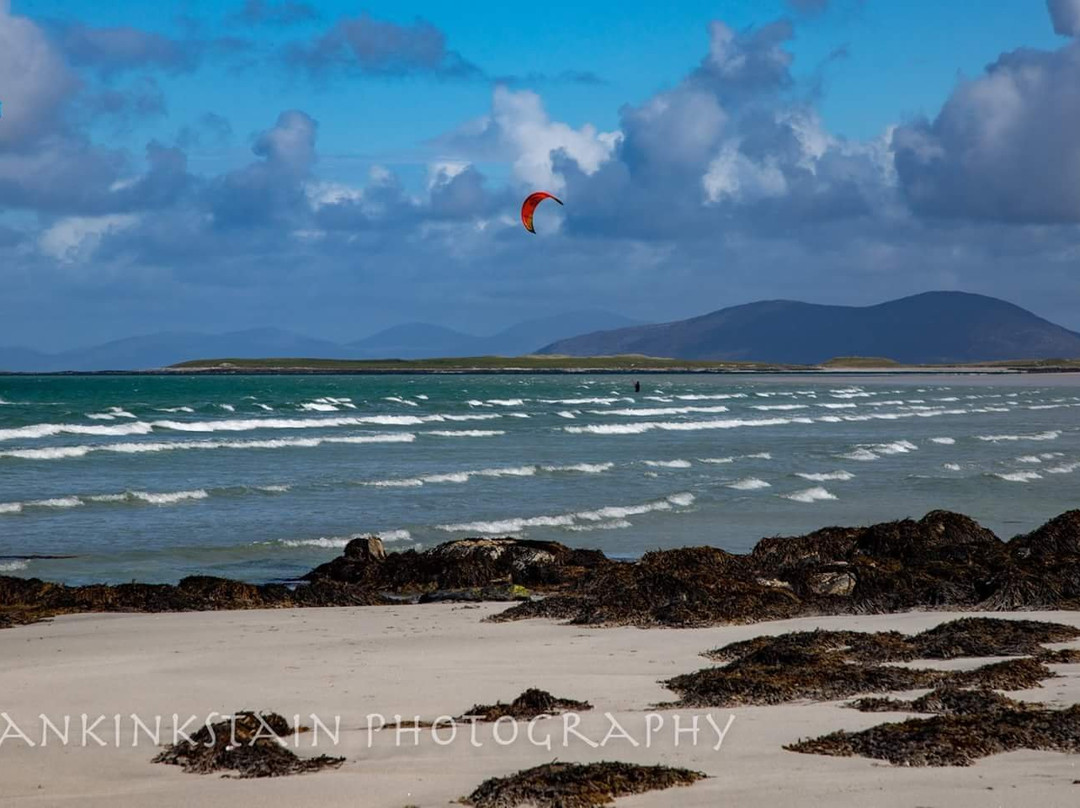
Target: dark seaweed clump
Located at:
point(956, 739)
point(530, 704)
point(575, 785)
point(948, 700)
point(255, 753)
point(829, 665)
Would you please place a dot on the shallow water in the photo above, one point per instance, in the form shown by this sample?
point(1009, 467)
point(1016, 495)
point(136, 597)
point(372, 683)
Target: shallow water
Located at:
point(153, 478)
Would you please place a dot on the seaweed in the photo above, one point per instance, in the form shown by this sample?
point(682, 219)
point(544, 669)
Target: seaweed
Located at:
point(530, 704)
point(248, 744)
point(829, 665)
point(576, 785)
point(955, 739)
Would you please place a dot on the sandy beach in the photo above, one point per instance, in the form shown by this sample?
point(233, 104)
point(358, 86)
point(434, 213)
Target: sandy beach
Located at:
point(439, 659)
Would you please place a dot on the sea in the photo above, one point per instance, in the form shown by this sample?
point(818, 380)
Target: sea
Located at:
point(156, 477)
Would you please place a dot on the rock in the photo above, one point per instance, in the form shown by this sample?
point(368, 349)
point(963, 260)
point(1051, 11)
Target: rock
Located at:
point(366, 548)
point(840, 584)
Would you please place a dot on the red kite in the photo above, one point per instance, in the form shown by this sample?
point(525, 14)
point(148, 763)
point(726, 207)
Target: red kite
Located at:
point(528, 207)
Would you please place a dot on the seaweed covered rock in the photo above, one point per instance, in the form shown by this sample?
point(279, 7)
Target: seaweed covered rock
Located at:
point(693, 586)
point(955, 739)
point(530, 704)
point(576, 785)
point(247, 745)
point(459, 565)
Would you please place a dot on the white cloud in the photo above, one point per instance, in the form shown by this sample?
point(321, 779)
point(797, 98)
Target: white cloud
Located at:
point(75, 238)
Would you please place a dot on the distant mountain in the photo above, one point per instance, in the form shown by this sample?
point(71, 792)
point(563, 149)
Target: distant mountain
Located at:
point(167, 348)
point(529, 336)
point(930, 328)
point(423, 341)
point(409, 341)
point(414, 341)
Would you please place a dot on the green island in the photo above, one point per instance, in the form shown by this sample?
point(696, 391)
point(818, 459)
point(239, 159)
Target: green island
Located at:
point(627, 363)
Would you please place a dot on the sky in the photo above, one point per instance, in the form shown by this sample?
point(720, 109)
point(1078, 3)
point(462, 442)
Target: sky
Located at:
point(341, 167)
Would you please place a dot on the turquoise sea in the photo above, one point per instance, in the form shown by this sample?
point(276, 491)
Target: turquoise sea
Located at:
point(262, 477)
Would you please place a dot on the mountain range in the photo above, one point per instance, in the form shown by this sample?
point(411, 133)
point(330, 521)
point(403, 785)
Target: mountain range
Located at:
point(929, 328)
point(412, 341)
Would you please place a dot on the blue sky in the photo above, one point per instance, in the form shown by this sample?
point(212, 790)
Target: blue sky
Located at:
point(396, 139)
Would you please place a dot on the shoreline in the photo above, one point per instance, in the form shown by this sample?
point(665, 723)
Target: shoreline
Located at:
point(944, 560)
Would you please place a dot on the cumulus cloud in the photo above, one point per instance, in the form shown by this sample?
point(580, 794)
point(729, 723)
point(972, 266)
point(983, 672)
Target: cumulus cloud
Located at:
point(36, 81)
point(1065, 15)
point(379, 47)
point(1004, 145)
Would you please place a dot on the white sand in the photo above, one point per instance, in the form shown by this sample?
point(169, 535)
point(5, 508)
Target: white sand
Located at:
point(440, 659)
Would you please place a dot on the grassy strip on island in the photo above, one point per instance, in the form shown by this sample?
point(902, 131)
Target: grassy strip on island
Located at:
point(627, 363)
point(523, 364)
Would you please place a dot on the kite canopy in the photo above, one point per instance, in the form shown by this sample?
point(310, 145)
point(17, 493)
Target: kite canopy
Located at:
point(528, 207)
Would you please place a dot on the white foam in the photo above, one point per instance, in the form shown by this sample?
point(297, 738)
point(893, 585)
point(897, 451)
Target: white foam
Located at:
point(274, 489)
point(1064, 468)
point(57, 502)
point(318, 406)
point(227, 407)
point(566, 414)
point(827, 476)
point(643, 412)
point(169, 498)
point(466, 433)
point(668, 464)
point(48, 430)
point(13, 566)
point(860, 454)
point(1019, 476)
point(943, 441)
point(250, 424)
point(584, 468)
point(507, 402)
point(571, 521)
point(837, 406)
point(10, 507)
point(1039, 436)
point(716, 397)
point(716, 460)
point(400, 400)
point(519, 415)
point(816, 494)
point(952, 466)
point(585, 400)
point(615, 524)
point(759, 456)
point(185, 409)
point(681, 426)
point(64, 452)
point(780, 406)
point(323, 542)
point(749, 484)
point(1029, 459)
